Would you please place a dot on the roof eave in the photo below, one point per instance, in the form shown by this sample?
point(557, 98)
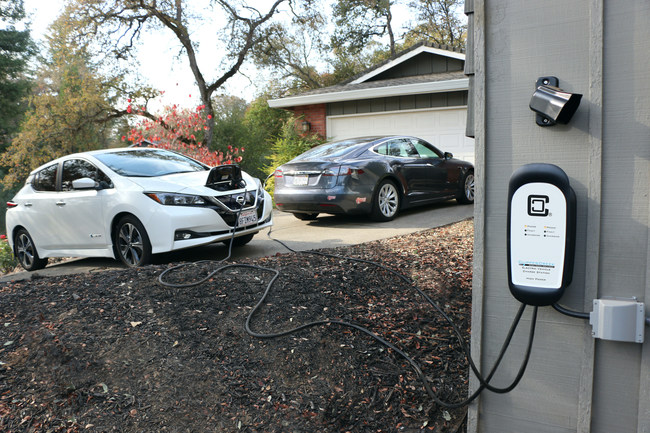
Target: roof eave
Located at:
point(370, 93)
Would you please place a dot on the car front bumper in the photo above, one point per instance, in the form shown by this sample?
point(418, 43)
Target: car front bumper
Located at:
point(172, 228)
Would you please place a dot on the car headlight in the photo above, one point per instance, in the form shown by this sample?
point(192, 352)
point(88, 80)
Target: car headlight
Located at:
point(173, 199)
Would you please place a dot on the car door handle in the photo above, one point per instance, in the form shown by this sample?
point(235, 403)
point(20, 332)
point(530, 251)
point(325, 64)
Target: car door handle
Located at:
point(27, 205)
point(60, 203)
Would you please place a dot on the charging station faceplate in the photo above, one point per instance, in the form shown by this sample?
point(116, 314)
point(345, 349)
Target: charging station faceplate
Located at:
point(541, 233)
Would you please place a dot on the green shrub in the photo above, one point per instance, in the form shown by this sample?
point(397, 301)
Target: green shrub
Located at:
point(7, 259)
point(286, 147)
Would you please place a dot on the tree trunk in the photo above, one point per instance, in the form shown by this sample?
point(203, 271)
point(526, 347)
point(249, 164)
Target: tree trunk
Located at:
point(389, 29)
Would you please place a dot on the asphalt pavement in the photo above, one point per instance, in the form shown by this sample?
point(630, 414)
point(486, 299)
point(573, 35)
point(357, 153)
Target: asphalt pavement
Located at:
point(327, 231)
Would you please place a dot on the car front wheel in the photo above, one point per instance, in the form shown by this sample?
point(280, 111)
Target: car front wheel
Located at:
point(26, 252)
point(132, 244)
point(386, 203)
point(466, 195)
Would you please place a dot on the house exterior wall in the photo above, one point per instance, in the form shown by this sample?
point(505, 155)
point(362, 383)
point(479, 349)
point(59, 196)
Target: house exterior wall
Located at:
point(573, 383)
point(422, 65)
point(315, 115)
point(396, 103)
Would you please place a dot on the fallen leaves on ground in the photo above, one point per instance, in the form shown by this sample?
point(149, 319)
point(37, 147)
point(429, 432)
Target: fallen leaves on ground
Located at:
point(117, 351)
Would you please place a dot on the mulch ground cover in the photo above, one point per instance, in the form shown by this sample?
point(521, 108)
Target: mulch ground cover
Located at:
point(117, 351)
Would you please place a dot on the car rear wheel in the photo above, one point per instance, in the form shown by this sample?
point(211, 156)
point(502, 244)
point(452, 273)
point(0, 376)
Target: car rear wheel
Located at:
point(26, 253)
point(306, 216)
point(240, 241)
point(132, 244)
point(386, 202)
point(466, 195)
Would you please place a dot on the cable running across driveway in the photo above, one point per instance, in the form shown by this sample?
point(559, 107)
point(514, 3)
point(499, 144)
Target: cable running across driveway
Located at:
point(484, 381)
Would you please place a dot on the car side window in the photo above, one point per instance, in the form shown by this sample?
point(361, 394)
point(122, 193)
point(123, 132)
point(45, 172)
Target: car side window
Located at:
point(382, 149)
point(45, 180)
point(425, 151)
point(401, 149)
point(74, 169)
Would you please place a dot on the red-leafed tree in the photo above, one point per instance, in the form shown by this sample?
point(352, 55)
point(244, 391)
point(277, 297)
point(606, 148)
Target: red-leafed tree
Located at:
point(179, 129)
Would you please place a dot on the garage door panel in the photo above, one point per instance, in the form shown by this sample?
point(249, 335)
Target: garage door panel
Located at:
point(449, 142)
point(448, 117)
point(424, 121)
point(445, 129)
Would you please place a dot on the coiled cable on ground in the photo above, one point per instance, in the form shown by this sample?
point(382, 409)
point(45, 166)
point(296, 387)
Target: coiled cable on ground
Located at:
point(484, 381)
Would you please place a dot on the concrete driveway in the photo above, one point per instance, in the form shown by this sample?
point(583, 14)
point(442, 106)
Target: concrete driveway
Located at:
point(325, 232)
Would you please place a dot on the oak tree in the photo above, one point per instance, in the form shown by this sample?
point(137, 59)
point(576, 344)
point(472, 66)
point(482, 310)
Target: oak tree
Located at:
point(119, 24)
point(439, 21)
point(359, 22)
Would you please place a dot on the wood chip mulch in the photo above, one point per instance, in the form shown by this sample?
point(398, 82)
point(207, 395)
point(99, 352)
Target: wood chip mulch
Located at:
point(118, 352)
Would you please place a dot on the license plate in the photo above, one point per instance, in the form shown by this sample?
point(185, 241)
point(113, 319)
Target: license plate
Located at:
point(301, 180)
point(247, 218)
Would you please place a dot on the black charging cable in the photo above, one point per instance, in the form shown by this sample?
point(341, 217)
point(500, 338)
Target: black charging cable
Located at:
point(571, 313)
point(230, 243)
point(581, 315)
point(484, 382)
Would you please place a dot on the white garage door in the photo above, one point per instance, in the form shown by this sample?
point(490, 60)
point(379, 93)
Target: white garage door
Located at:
point(444, 128)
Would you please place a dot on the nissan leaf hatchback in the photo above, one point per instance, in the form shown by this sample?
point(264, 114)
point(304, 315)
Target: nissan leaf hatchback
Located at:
point(131, 203)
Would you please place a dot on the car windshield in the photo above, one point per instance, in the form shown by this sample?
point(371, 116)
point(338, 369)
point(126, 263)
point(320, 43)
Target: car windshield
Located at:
point(335, 149)
point(148, 162)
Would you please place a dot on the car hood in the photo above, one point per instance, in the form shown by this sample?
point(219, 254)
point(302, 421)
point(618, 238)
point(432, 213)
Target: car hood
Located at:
point(185, 183)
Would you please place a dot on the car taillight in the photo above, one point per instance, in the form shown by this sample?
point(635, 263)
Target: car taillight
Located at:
point(350, 171)
point(11, 204)
point(345, 171)
point(277, 173)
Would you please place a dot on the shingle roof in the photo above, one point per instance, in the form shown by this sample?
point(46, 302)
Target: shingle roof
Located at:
point(416, 79)
point(362, 85)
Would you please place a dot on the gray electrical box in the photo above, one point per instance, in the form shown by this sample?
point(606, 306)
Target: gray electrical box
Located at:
point(618, 320)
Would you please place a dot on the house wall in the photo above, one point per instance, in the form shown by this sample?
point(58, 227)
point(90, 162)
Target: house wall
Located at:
point(396, 103)
point(423, 64)
point(315, 115)
point(573, 382)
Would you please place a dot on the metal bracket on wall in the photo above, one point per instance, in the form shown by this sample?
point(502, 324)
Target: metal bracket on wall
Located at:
point(540, 119)
point(552, 104)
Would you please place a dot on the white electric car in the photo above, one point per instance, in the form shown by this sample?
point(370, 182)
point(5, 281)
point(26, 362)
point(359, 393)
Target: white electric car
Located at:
point(129, 204)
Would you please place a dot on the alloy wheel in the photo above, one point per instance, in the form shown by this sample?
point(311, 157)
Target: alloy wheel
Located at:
point(469, 187)
point(25, 250)
point(130, 244)
point(388, 200)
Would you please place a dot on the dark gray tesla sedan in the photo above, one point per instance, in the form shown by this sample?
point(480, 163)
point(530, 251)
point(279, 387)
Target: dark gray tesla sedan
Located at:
point(378, 176)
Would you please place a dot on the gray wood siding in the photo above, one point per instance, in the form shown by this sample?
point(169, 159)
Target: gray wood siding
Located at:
point(423, 64)
point(624, 208)
point(601, 50)
point(396, 103)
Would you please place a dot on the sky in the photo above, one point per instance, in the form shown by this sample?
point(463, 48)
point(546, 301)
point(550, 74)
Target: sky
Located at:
point(161, 66)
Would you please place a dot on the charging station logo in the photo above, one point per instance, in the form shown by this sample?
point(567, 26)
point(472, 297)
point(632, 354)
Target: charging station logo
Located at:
point(537, 205)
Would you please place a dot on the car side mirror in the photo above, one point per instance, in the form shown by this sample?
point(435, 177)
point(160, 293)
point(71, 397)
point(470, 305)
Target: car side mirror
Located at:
point(84, 183)
point(449, 155)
